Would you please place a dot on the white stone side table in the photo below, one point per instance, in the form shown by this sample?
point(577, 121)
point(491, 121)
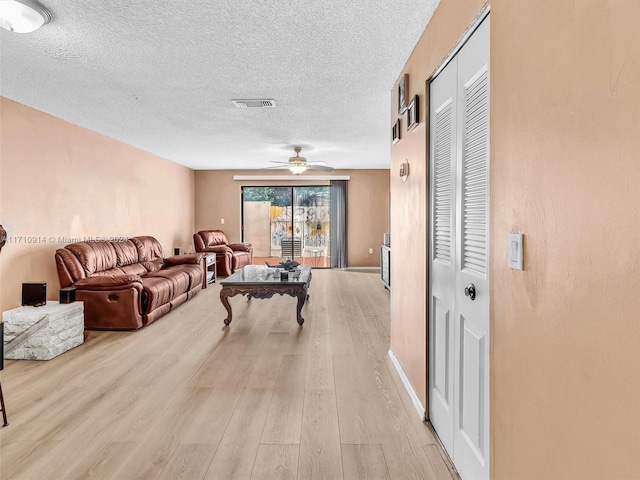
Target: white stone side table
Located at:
point(42, 333)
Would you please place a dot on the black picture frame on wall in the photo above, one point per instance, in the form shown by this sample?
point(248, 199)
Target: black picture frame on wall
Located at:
point(395, 132)
point(403, 88)
point(413, 113)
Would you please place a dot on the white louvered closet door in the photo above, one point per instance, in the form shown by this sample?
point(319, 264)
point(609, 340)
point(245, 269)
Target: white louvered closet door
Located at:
point(459, 323)
point(443, 127)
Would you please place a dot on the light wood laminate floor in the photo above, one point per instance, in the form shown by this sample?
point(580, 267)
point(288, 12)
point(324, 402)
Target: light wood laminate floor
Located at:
point(187, 398)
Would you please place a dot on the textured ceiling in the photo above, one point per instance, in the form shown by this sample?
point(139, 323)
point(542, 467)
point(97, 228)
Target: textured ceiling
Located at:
point(160, 75)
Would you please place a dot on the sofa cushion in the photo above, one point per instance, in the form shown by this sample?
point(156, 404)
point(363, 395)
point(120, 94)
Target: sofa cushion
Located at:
point(149, 248)
point(126, 252)
point(134, 269)
point(213, 237)
point(94, 256)
point(158, 291)
point(112, 272)
point(194, 272)
point(179, 279)
point(153, 266)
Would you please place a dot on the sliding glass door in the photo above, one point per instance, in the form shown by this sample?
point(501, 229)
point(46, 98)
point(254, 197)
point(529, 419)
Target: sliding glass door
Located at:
point(288, 223)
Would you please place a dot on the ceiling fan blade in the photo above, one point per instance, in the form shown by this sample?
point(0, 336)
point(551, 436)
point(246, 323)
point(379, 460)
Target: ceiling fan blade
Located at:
point(281, 167)
point(324, 168)
point(300, 162)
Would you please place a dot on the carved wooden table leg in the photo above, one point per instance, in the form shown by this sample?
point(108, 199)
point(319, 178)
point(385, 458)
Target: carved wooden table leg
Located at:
point(302, 297)
point(224, 294)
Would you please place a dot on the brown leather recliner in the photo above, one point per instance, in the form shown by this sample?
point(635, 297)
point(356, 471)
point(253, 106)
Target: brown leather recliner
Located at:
point(229, 256)
point(126, 285)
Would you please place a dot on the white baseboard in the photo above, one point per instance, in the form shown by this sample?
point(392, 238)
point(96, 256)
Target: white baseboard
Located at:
point(408, 387)
point(363, 268)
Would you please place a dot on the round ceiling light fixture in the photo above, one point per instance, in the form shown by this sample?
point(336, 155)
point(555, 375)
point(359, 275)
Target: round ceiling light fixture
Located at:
point(23, 16)
point(297, 164)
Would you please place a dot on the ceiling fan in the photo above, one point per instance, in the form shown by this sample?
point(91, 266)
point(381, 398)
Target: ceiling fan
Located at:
point(299, 164)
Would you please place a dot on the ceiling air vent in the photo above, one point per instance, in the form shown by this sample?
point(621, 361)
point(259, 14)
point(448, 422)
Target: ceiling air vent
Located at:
point(257, 103)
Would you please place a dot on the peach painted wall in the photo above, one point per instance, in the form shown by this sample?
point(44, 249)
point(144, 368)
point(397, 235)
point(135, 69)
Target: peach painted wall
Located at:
point(565, 171)
point(218, 196)
point(409, 214)
point(60, 181)
point(565, 166)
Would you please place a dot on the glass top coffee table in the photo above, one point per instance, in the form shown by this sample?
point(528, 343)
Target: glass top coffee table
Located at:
point(264, 282)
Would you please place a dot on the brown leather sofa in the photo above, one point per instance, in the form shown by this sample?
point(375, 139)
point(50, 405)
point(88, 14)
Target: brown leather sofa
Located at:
point(229, 256)
point(126, 285)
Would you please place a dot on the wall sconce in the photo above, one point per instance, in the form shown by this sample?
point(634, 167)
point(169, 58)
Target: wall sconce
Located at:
point(404, 170)
point(23, 16)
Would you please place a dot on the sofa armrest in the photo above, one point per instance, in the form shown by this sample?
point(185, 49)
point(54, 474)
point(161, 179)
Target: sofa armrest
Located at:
point(217, 249)
point(111, 302)
point(243, 247)
point(187, 258)
point(109, 282)
point(198, 242)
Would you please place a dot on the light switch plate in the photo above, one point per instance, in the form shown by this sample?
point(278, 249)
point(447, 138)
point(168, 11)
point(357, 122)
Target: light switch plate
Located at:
point(515, 251)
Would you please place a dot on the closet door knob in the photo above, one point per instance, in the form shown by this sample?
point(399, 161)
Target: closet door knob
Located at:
point(470, 291)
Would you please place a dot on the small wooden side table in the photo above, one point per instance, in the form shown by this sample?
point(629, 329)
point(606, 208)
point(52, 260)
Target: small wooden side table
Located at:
point(210, 269)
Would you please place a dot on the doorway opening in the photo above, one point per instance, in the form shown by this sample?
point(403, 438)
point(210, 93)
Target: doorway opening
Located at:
point(288, 223)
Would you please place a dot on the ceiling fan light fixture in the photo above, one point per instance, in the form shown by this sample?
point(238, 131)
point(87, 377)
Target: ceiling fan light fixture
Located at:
point(298, 169)
point(23, 16)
